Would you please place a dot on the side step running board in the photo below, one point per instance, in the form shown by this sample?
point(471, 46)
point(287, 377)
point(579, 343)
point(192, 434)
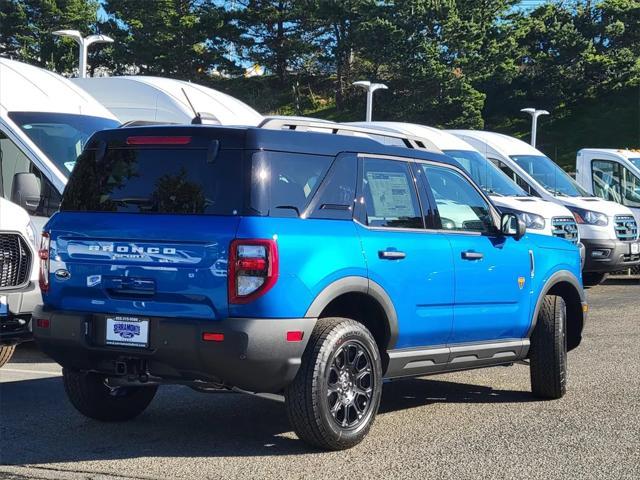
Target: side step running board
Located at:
point(411, 362)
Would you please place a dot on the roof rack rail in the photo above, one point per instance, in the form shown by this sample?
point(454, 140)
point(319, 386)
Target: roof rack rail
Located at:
point(324, 126)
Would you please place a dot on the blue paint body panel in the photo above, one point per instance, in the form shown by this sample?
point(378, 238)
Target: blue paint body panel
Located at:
point(176, 265)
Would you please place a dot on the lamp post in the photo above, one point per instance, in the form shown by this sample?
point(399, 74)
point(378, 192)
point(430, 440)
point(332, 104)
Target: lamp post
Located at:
point(534, 122)
point(370, 88)
point(84, 43)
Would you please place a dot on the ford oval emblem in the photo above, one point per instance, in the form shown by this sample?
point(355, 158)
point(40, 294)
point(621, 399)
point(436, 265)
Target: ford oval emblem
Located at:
point(62, 274)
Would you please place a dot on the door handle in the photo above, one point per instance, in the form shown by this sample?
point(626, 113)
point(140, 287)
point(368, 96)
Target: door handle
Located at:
point(391, 255)
point(470, 255)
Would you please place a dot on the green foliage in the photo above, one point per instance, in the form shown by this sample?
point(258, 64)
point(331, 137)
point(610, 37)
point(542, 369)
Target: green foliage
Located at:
point(179, 38)
point(448, 63)
point(26, 28)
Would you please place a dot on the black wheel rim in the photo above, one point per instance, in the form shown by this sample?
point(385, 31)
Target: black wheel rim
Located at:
point(350, 385)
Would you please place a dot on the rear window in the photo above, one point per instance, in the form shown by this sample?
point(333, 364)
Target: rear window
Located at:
point(156, 180)
point(186, 181)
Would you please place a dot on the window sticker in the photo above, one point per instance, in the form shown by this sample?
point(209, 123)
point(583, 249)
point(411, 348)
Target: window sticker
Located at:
point(391, 194)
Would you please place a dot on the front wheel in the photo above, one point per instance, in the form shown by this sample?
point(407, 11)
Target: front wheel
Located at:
point(548, 354)
point(6, 352)
point(92, 397)
point(334, 398)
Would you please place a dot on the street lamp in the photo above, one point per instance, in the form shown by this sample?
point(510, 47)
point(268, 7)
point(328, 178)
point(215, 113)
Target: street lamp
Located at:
point(84, 43)
point(370, 88)
point(534, 122)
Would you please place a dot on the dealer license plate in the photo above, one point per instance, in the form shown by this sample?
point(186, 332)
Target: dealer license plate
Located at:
point(4, 306)
point(127, 331)
point(635, 248)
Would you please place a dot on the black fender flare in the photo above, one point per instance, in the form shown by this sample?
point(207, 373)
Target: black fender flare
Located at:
point(356, 284)
point(556, 278)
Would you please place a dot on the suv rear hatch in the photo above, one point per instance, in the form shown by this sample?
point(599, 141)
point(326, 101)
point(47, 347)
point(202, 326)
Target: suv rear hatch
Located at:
point(146, 221)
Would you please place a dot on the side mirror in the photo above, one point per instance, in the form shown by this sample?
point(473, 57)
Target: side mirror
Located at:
point(26, 191)
point(511, 225)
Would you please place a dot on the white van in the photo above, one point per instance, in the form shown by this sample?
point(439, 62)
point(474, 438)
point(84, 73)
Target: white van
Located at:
point(607, 229)
point(540, 216)
point(612, 174)
point(45, 121)
point(19, 291)
point(142, 99)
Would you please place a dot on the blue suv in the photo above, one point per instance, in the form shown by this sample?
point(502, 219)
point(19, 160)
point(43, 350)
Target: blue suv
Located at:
point(308, 264)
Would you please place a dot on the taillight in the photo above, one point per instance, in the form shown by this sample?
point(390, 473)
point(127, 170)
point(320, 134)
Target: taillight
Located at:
point(253, 269)
point(44, 262)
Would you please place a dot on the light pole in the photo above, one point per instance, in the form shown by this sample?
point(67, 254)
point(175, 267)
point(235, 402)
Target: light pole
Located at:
point(84, 43)
point(534, 122)
point(370, 88)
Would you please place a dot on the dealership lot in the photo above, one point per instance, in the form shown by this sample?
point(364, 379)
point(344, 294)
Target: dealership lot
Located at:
point(476, 424)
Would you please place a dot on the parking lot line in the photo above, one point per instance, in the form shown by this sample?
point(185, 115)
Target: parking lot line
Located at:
point(34, 372)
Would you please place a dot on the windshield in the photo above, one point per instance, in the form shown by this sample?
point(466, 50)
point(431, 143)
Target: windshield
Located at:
point(550, 175)
point(636, 162)
point(489, 177)
point(61, 136)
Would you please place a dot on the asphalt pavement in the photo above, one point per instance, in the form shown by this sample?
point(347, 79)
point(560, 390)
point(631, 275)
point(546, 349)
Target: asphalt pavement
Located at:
point(476, 424)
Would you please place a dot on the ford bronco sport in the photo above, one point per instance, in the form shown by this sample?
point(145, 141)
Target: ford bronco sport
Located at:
point(308, 264)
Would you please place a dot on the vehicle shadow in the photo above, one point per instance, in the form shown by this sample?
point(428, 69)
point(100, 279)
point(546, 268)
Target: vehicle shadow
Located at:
point(39, 426)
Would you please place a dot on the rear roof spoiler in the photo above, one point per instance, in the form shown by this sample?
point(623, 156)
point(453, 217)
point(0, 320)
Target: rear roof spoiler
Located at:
point(324, 126)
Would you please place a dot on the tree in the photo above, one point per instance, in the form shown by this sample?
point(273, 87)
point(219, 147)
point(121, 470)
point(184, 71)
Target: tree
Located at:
point(26, 28)
point(274, 35)
point(184, 38)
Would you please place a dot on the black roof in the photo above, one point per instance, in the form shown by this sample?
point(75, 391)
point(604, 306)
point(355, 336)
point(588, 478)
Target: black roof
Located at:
point(252, 138)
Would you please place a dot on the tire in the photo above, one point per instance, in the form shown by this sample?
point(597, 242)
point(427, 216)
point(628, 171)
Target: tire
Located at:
point(88, 393)
point(591, 279)
point(335, 396)
point(6, 352)
point(548, 354)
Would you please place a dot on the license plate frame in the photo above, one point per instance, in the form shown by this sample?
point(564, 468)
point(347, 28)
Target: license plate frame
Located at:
point(126, 331)
point(634, 248)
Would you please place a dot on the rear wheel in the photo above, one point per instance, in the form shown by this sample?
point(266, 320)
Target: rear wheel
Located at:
point(92, 397)
point(548, 354)
point(6, 352)
point(591, 279)
point(334, 398)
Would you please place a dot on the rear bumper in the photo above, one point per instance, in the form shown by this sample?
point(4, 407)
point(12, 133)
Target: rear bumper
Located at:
point(254, 355)
point(15, 325)
point(604, 256)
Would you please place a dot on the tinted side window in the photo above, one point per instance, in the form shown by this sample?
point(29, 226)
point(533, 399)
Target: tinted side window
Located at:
point(283, 184)
point(390, 194)
point(460, 206)
point(335, 198)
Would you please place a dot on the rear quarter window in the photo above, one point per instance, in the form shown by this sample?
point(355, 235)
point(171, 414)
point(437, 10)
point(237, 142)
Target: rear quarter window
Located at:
point(283, 184)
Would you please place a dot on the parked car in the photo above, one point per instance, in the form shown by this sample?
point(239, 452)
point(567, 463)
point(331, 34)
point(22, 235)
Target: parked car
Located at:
point(339, 275)
point(611, 174)
point(540, 216)
point(607, 229)
point(45, 121)
point(19, 292)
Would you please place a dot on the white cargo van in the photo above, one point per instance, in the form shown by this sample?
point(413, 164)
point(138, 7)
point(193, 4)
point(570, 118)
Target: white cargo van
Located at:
point(540, 216)
point(45, 121)
point(19, 292)
point(607, 229)
point(142, 99)
point(612, 174)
